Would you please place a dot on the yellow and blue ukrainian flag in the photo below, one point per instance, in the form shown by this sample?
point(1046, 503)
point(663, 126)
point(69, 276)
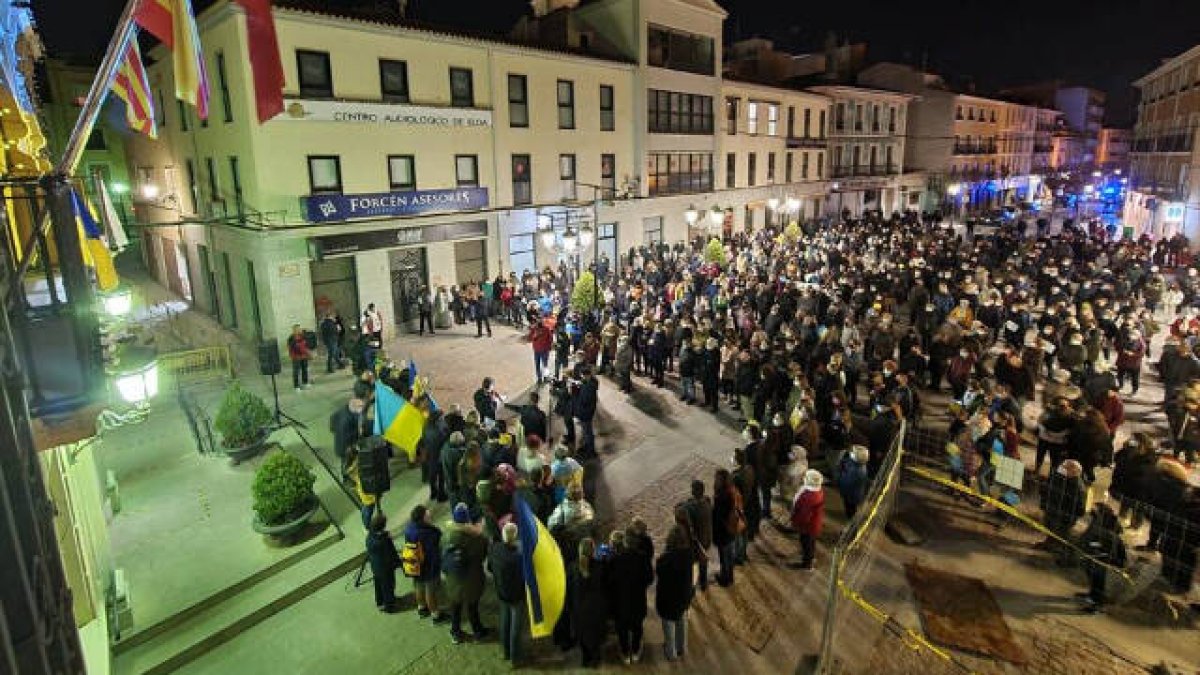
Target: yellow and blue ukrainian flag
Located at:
point(95, 251)
point(397, 420)
point(545, 574)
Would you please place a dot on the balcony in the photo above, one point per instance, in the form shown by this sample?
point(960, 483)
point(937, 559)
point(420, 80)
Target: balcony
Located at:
point(974, 149)
point(806, 142)
point(1177, 142)
point(865, 170)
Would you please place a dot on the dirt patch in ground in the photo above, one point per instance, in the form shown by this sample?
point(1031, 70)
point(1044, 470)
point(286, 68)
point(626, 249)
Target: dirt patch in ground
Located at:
point(960, 612)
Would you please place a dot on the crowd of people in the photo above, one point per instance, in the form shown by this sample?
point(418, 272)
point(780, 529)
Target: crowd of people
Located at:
point(821, 342)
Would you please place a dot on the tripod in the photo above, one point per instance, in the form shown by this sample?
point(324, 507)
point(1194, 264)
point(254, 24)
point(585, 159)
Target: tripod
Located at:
point(280, 416)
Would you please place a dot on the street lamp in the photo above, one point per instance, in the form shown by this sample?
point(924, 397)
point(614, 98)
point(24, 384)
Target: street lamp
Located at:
point(691, 215)
point(136, 375)
point(149, 191)
point(117, 302)
point(545, 228)
point(570, 240)
point(586, 234)
point(773, 203)
point(716, 216)
point(793, 204)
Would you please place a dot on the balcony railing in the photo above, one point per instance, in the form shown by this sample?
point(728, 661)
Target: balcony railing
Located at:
point(864, 170)
point(807, 142)
point(974, 149)
point(1166, 143)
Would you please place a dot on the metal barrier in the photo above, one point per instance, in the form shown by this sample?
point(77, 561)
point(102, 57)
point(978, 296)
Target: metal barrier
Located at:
point(196, 365)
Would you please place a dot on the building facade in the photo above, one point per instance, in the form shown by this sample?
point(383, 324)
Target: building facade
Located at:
point(1112, 151)
point(1163, 198)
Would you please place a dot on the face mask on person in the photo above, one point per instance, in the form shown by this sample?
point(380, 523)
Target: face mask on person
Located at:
point(964, 353)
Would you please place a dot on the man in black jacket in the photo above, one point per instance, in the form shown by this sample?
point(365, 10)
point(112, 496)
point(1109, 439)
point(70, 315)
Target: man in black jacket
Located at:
point(586, 399)
point(533, 419)
point(346, 425)
point(504, 562)
point(485, 401)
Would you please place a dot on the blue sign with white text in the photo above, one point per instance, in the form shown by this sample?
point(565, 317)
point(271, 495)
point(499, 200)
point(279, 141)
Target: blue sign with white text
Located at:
point(328, 208)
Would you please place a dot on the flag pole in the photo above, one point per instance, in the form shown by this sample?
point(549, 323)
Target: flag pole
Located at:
point(85, 123)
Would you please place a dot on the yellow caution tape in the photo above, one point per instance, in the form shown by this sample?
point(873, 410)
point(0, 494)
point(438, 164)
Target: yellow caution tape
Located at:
point(1005, 508)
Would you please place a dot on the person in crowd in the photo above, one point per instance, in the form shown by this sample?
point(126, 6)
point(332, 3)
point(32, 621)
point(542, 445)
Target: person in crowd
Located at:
point(299, 353)
point(1133, 471)
point(588, 578)
point(1090, 443)
point(631, 567)
point(372, 323)
point(333, 332)
point(623, 364)
point(1054, 433)
point(422, 562)
point(852, 479)
point(347, 428)
point(1063, 503)
point(673, 590)
point(1104, 547)
point(541, 339)
point(464, 550)
point(425, 310)
point(584, 408)
point(698, 512)
point(480, 307)
point(728, 522)
point(487, 400)
point(808, 515)
point(744, 482)
point(504, 563)
point(383, 559)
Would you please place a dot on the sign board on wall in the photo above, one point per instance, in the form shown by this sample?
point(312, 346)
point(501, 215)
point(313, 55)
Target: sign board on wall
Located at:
point(341, 244)
point(383, 113)
point(1173, 212)
point(333, 207)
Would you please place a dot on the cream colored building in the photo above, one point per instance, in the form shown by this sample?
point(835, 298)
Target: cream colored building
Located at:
point(1164, 185)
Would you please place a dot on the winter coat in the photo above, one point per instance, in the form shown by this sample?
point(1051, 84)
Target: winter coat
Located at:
point(504, 562)
point(673, 589)
point(808, 512)
point(345, 426)
point(852, 480)
point(585, 399)
point(1063, 501)
point(700, 516)
point(381, 552)
point(1130, 354)
point(467, 584)
point(1132, 474)
point(723, 506)
point(632, 572)
point(430, 538)
point(589, 603)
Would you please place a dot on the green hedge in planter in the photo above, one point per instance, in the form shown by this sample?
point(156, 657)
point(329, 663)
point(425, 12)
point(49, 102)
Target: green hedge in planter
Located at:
point(282, 488)
point(242, 417)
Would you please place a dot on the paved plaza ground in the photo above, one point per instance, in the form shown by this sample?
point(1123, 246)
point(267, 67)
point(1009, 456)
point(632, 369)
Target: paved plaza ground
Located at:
point(651, 446)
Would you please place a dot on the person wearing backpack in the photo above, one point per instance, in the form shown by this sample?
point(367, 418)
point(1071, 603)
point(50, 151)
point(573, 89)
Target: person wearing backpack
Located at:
point(421, 560)
point(382, 556)
point(464, 549)
point(504, 562)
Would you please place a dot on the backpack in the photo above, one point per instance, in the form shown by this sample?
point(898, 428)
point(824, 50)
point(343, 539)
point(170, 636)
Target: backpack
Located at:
point(412, 558)
point(736, 521)
point(453, 564)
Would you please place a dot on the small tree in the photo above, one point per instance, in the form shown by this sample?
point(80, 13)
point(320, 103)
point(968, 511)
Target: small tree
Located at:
point(282, 488)
point(714, 252)
point(241, 417)
point(792, 232)
point(586, 296)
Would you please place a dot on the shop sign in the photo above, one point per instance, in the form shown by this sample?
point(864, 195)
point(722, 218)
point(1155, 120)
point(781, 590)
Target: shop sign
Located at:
point(342, 244)
point(388, 114)
point(328, 208)
point(1173, 212)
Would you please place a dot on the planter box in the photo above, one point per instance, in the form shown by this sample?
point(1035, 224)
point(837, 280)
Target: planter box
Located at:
point(287, 529)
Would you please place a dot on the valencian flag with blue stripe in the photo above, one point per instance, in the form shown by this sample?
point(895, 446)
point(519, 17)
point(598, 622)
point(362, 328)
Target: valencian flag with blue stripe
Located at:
point(397, 420)
point(545, 574)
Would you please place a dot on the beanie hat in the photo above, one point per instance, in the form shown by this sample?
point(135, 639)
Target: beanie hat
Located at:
point(462, 514)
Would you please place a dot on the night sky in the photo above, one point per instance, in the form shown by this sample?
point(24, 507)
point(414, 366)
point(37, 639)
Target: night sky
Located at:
point(1100, 43)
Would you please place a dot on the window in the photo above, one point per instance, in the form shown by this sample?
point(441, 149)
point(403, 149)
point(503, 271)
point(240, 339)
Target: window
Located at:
point(887, 158)
point(235, 176)
point(731, 116)
point(873, 154)
point(608, 174)
point(255, 310)
point(606, 241)
point(324, 174)
point(791, 129)
point(770, 167)
point(160, 117)
point(840, 117)
point(521, 181)
point(223, 83)
point(653, 230)
point(970, 113)
point(752, 117)
point(677, 50)
point(193, 190)
point(521, 254)
point(731, 170)
point(808, 122)
point(772, 119)
point(316, 78)
point(672, 112)
point(858, 117)
point(95, 140)
point(393, 81)
point(820, 166)
point(566, 104)
point(518, 101)
point(566, 174)
point(183, 118)
point(402, 172)
point(679, 172)
point(891, 119)
point(787, 168)
point(462, 88)
point(466, 170)
point(751, 167)
point(214, 189)
point(993, 115)
point(804, 166)
point(821, 125)
point(608, 116)
point(229, 288)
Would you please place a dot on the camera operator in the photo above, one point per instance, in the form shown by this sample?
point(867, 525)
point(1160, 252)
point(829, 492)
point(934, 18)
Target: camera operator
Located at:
point(585, 401)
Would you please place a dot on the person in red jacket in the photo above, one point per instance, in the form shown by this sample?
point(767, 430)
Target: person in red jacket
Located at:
point(808, 514)
point(1130, 351)
point(542, 339)
point(299, 353)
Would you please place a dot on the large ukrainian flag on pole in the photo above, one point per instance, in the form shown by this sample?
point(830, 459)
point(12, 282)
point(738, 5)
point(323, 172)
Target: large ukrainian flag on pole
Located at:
point(545, 574)
point(95, 251)
point(397, 420)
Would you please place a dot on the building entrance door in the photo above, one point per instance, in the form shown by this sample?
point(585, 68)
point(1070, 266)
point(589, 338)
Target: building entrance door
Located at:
point(409, 274)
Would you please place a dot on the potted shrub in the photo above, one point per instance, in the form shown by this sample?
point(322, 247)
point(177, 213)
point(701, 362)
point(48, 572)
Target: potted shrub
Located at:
point(242, 421)
point(283, 495)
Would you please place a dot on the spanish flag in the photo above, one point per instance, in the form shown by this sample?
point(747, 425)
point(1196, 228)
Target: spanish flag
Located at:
point(545, 573)
point(131, 85)
point(397, 420)
point(95, 251)
point(172, 22)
